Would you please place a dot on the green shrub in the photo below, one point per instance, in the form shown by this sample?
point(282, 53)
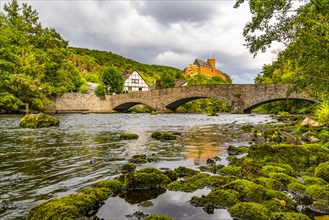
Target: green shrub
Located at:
point(322, 112)
point(100, 91)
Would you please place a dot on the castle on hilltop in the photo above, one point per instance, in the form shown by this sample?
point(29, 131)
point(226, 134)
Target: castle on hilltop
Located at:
point(207, 68)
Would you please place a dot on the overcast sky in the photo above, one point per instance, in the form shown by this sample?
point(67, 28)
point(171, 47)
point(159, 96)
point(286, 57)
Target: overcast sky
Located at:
point(164, 32)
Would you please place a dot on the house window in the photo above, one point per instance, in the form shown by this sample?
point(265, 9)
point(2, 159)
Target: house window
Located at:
point(134, 80)
point(140, 89)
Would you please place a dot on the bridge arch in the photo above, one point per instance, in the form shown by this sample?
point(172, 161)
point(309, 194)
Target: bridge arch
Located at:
point(173, 104)
point(248, 109)
point(123, 107)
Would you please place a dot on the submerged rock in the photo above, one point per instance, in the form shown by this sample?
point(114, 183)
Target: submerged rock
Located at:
point(40, 120)
point(307, 122)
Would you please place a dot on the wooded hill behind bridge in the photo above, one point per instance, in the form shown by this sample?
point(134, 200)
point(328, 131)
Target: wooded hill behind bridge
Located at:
point(241, 97)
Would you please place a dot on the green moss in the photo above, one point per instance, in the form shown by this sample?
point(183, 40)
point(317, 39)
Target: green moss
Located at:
point(183, 171)
point(274, 135)
point(137, 180)
point(247, 128)
point(288, 216)
point(296, 187)
point(232, 150)
point(128, 136)
point(254, 193)
point(163, 136)
point(190, 184)
point(53, 209)
point(322, 171)
point(219, 180)
point(318, 191)
point(218, 198)
point(114, 185)
point(129, 167)
point(38, 121)
point(149, 170)
point(297, 156)
point(269, 183)
point(284, 178)
point(249, 210)
point(309, 180)
point(274, 169)
point(157, 217)
point(229, 170)
point(138, 159)
point(171, 174)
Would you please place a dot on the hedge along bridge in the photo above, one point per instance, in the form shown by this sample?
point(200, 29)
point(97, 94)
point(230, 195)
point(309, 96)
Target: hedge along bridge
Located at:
point(241, 97)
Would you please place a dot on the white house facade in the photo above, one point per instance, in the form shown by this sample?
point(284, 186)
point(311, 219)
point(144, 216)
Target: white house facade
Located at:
point(134, 82)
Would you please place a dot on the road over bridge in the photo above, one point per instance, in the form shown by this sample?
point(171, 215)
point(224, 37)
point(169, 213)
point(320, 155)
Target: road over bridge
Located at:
point(241, 97)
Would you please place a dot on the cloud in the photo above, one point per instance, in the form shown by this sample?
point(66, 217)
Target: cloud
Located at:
point(171, 33)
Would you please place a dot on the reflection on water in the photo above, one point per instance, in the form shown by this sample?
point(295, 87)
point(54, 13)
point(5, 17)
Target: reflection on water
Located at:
point(39, 164)
point(173, 204)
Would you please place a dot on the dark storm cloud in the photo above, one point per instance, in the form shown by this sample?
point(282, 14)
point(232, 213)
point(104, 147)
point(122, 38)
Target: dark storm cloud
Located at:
point(167, 12)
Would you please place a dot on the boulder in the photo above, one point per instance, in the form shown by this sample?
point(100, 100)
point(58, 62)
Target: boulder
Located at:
point(40, 120)
point(307, 122)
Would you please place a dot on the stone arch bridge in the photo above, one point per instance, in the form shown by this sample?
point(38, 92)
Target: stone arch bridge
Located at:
point(241, 97)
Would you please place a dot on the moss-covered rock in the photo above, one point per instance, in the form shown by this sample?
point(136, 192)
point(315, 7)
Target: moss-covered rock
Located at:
point(74, 206)
point(318, 191)
point(189, 184)
point(322, 171)
point(128, 136)
point(249, 210)
point(320, 206)
point(157, 217)
point(218, 198)
point(40, 120)
point(229, 170)
point(218, 180)
point(233, 150)
point(309, 180)
point(284, 178)
point(184, 171)
point(297, 188)
point(163, 136)
point(269, 183)
point(288, 216)
point(137, 180)
point(126, 168)
point(138, 159)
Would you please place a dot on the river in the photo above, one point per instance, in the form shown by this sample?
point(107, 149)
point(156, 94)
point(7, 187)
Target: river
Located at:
point(40, 164)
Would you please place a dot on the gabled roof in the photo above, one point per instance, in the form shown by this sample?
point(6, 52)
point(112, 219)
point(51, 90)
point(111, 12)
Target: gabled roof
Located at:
point(126, 75)
point(202, 63)
point(180, 83)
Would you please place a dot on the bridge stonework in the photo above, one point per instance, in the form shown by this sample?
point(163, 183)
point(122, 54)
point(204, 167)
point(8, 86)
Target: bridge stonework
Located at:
point(241, 97)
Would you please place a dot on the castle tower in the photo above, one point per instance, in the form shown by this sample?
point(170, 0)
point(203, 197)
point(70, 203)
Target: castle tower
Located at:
point(212, 62)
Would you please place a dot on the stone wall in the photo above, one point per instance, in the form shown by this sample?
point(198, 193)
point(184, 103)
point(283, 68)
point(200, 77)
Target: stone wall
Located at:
point(77, 102)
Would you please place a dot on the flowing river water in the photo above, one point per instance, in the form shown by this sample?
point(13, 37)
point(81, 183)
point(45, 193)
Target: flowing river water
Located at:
point(40, 164)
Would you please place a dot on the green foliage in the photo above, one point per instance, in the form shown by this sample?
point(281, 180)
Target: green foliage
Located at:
point(304, 61)
point(166, 81)
point(100, 91)
point(208, 105)
point(113, 80)
point(249, 210)
point(322, 112)
point(32, 61)
point(40, 120)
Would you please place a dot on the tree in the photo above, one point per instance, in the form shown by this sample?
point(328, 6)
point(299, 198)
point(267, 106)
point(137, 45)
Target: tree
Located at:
point(32, 60)
point(166, 81)
point(113, 80)
point(304, 31)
